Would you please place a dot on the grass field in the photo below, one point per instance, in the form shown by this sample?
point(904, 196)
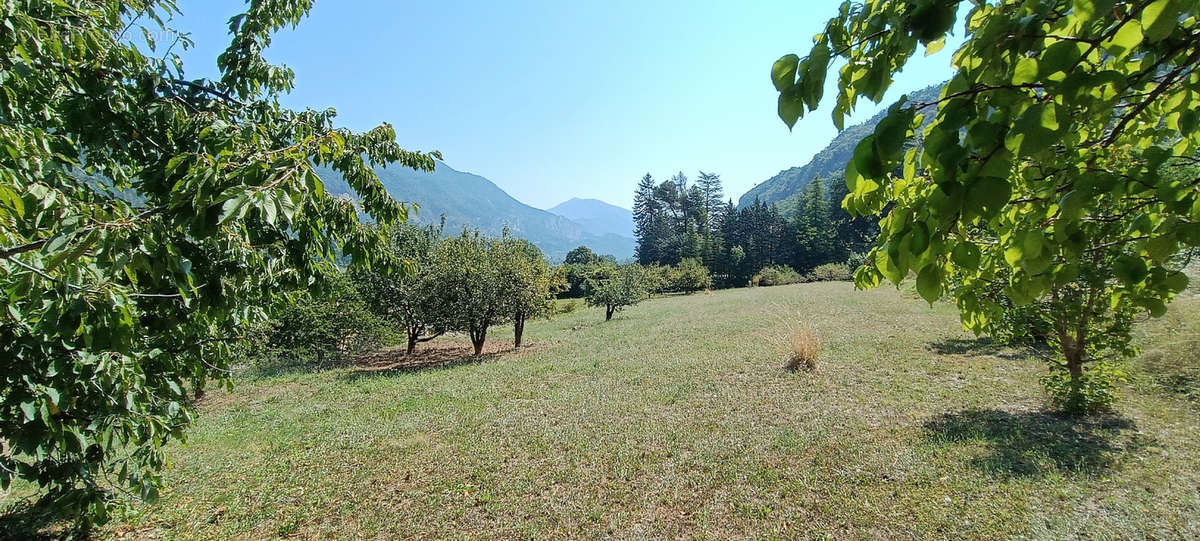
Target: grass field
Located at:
point(676, 420)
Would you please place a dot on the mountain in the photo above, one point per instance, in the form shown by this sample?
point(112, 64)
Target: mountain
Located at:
point(596, 216)
point(829, 161)
point(469, 200)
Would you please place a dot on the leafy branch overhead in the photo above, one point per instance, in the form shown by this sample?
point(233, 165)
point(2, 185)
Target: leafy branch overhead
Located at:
point(1058, 161)
point(145, 219)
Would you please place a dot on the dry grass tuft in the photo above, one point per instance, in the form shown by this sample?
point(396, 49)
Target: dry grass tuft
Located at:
point(805, 348)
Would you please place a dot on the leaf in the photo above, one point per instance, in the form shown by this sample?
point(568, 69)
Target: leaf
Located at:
point(929, 283)
point(29, 409)
point(234, 208)
point(1176, 282)
point(1131, 270)
point(987, 196)
point(966, 255)
point(791, 106)
point(935, 46)
point(783, 72)
point(888, 268)
point(1026, 71)
point(1159, 19)
point(1125, 41)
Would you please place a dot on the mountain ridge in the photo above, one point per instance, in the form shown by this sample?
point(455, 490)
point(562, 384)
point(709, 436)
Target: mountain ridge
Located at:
point(468, 200)
point(597, 216)
point(831, 160)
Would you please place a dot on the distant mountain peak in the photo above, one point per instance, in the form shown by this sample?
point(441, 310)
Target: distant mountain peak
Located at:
point(596, 216)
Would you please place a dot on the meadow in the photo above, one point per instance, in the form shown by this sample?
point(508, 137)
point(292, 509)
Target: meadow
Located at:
point(676, 419)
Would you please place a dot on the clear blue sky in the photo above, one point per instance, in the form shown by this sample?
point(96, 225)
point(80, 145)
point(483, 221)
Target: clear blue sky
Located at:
point(553, 100)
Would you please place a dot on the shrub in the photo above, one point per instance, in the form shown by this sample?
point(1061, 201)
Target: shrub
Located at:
point(690, 275)
point(830, 272)
point(1092, 392)
point(805, 348)
point(326, 325)
point(777, 275)
point(565, 306)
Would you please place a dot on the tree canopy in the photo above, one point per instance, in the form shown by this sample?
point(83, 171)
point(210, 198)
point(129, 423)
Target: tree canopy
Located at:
point(145, 217)
point(1045, 167)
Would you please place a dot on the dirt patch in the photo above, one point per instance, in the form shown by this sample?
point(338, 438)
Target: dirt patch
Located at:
point(437, 354)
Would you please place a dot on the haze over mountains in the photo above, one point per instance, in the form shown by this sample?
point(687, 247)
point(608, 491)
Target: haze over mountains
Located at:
point(469, 200)
point(597, 216)
point(472, 201)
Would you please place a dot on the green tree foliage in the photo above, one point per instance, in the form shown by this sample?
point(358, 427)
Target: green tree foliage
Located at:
point(468, 276)
point(672, 220)
point(144, 220)
point(330, 321)
point(623, 286)
point(756, 237)
point(690, 275)
point(581, 256)
point(404, 292)
point(1043, 164)
point(816, 236)
point(528, 288)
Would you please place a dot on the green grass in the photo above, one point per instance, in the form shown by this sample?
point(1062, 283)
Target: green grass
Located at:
point(676, 420)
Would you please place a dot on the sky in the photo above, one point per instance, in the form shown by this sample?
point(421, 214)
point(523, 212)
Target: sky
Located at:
point(553, 100)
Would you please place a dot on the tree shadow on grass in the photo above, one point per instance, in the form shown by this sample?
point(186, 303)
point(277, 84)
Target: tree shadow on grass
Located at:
point(982, 346)
point(426, 357)
point(1025, 444)
point(26, 520)
point(965, 346)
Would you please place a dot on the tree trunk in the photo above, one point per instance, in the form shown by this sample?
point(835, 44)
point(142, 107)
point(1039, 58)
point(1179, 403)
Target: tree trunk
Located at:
point(412, 343)
point(518, 329)
point(477, 339)
point(608, 312)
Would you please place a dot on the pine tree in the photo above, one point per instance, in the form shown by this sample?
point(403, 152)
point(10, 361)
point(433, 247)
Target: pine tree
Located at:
point(816, 238)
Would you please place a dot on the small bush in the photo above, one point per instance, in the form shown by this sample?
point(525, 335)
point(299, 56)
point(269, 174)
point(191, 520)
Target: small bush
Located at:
point(566, 306)
point(326, 325)
point(777, 275)
point(1095, 392)
point(831, 272)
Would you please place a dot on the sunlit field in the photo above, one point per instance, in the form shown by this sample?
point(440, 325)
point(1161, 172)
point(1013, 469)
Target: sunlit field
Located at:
point(676, 419)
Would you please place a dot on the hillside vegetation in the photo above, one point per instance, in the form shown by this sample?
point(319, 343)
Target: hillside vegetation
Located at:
point(676, 419)
point(829, 162)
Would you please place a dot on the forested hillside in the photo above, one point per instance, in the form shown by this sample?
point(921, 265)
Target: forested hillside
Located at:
point(830, 161)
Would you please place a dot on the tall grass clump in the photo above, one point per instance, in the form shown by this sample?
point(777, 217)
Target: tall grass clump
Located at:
point(805, 349)
point(799, 343)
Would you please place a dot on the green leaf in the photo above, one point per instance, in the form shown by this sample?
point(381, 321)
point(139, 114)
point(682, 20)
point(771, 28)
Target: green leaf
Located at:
point(783, 72)
point(1026, 71)
point(966, 255)
point(1159, 19)
point(929, 283)
point(887, 267)
point(1176, 282)
point(1125, 41)
point(791, 106)
point(935, 46)
point(987, 196)
point(29, 409)
point(1131, 270)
